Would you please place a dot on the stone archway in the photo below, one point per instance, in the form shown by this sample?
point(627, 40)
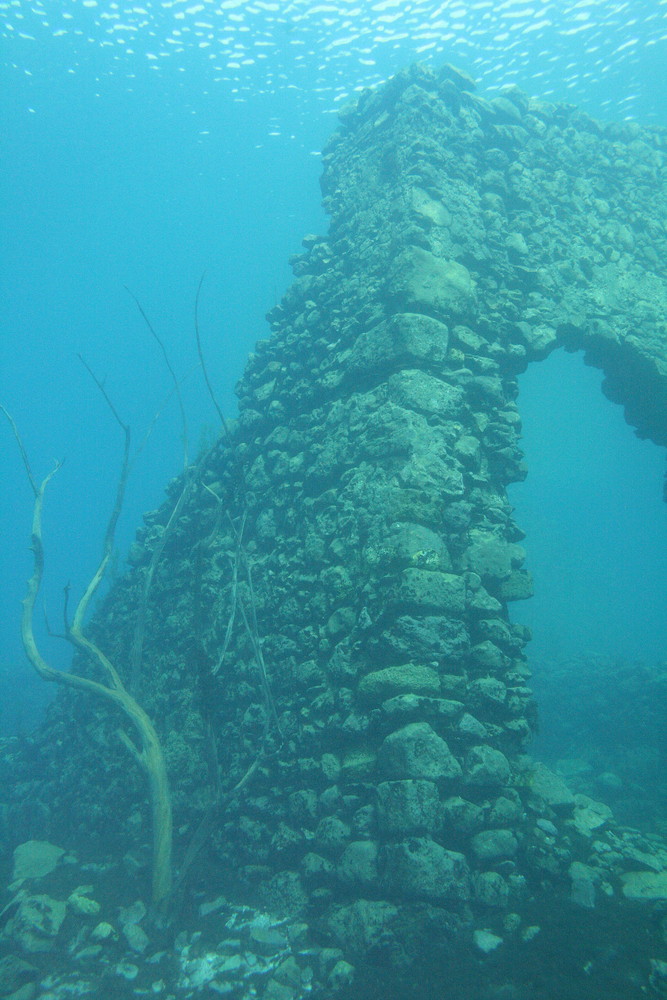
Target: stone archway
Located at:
point(595, 522)
point(377, 434)
point(468, 237)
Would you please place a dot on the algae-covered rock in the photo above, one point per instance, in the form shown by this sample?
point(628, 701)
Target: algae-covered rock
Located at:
point(136, 937)
point(489, 556)
point(276, 990)
point(590, 815)
point(34, 859)
point(582, 884)
point(416, 751)
point(103, 931)
point(407, 806)
point(485, 765)
point(36, 923)
point(359, 763)
point(419, 705)
point(644, 885)
point(494, 845)
point(488, 693)
point(487, 656)
point(341, 976)
point(407, 678)
point(491, 889)
point(418, 390)
point(362, 925)
point(421, 282)
point(16, 974)
point(432, 590)
point(486, 941)
point(406, 338)
point(80, 902)
point(518, 586)
point(426, 206)
point(410, 544)
point(420, 868)
point(549, 788)
point(358, 863)
point(457, 813)
point(426, 637)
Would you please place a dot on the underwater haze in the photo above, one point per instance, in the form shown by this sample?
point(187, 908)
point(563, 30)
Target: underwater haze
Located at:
point(145, 145)
point(362, 770)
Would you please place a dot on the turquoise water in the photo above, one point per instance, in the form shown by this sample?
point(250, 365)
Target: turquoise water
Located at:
point(146, 144)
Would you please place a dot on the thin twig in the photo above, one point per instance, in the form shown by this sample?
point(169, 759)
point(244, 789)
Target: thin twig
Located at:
point(100, 385)
point(24, 455)
point(157, 415)
point(136, 651)
point(255, 641)
point(234, 593)
point(66, 590)
point(171, 372)
point(203, 364)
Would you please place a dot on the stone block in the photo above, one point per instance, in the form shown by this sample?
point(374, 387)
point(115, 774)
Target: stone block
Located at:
point(444, 592)
point(494, 845)
point(409, 678)
point(419, 868)
point(407, 806)
point(518, 586)
point(460, 815)
point(421, 707)
point(410, 544)
point(486, 656)
point(489, 556)
point(421, 282)
point(424, 393)
point(486, 766)
point(548, 788)
point(358, 863)
point(645, 885)
point(416, 751)
point(426, 637)
point(360, 926)
point(491, 889)
point(34, 859)
point(36, 923)
point(408, 339)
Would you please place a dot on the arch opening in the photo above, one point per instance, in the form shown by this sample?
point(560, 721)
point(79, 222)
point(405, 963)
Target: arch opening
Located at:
point(596, 544)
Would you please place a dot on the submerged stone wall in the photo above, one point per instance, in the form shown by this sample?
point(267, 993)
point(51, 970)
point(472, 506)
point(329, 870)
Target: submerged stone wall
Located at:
point(378, 431)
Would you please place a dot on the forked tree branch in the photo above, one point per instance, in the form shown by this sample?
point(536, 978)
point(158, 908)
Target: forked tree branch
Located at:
point(149, 753)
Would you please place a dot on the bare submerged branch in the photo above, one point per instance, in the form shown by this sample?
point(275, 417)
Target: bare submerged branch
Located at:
point(150, 756)
point(177, 389)
point(203, 364)
point(136, 651)
point(100, 385)
point(158, 414)
point(24, 454)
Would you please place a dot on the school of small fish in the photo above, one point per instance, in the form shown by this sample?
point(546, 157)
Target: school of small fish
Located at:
point(324, 52)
